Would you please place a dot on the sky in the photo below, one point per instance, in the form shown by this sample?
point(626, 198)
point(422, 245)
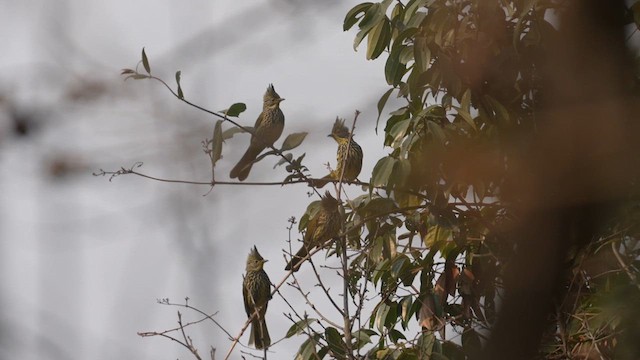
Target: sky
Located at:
point(84, 259)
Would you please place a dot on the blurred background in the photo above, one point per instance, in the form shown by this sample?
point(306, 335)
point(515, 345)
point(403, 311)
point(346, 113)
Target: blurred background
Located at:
point(84, 259)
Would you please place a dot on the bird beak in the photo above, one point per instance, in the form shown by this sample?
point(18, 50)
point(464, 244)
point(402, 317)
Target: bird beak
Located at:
point(281, 100)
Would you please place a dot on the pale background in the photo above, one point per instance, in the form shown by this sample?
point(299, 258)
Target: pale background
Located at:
point(83, 260)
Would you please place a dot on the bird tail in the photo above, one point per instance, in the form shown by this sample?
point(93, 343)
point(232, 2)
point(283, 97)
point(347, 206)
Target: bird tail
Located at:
point(297, 259)
point(259, 334)
point(320, 183)
point(243, 167)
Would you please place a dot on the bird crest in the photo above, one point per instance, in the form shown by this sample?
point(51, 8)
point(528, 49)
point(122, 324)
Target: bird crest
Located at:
point(329, 201)
point(254, 254)
point(271, 93)
point(339, 130)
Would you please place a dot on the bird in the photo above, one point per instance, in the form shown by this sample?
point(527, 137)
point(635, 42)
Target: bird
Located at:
point(348, 156)
point(323, 227)
point(267, 130)
point(256, 291)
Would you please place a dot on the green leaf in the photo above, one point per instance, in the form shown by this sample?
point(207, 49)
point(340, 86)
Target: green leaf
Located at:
point(453, 351)
point(425, 344)
point(300, 327)
point(136, 77)
point(362, 337)
point(398, 132)
point(437, 235)
point(307, 350)
point(406, 55)
point(405, 308)
point(378, 39)
point(145, 62)
point(352, 16)
point(396, 336)
point(216, 143)
point(381, 103)
point(293, 141)
point(520, 25)
point(180, 93)
point(467, 118)
point(399, 264)
point(465, 103)
point(499, 112)
point(372, 17)
point(235, 110)
point(287, 156)
point(394, 70)
point(382, 171)
point(471, 341)
point(335, 342)
point(228, 134)
point(413, 6)
point(421, 54)
point(381, 316)
point(437, 131)
point(401, 172)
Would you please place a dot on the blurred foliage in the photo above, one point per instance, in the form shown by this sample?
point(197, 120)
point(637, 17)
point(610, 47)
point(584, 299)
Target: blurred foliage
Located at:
point(432, 233)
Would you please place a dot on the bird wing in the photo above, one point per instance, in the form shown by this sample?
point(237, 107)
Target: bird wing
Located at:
point(245, 296)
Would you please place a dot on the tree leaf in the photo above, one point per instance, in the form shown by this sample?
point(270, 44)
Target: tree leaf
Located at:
point(471, 342)
point(378, 39)
point(382, 171)
point(437, 132)
point(465, 102)
point(308, 349)
point(216, 143)
point(425, 344)
point(381, 316)
point(180, 93)
point(335, 342)
point(228, 134)
point(499, 112)
point(395, 336)
point(293, 141)
point(234, 110)
point(398, 132)
point(288, 156)
point(300, 327)
point(405, 308)
point(381, 103)
point(394, 70)
point(145, 62)
point(437, 235)
point(372, 17)
point(428, 312)
point(467, 118)
point(362, 337)
point(352, 16)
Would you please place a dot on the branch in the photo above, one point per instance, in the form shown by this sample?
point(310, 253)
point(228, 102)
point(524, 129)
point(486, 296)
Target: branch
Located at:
point(345, 265)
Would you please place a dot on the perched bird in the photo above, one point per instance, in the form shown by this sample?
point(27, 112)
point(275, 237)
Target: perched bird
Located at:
point(350, 159)
point(324, 226)
point(267, 130)
point(256, 291)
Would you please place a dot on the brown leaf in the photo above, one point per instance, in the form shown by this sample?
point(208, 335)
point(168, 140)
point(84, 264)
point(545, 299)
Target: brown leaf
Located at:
point(465, 282)
point(452, 272)
point(427, 312)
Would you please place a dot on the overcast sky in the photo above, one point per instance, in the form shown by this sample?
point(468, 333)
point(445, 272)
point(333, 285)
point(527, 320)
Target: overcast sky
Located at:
point(84, 259)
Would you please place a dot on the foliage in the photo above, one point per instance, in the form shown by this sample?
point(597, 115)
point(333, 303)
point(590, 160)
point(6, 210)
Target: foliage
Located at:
point(430, 235)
